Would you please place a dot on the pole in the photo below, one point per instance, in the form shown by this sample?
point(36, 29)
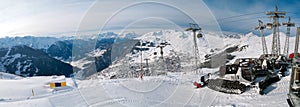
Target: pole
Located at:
point(263, 40)
point(278, 36)
point(147, 59)
point(286, 45)
point(141, 53)
point(297, 43)
point(195, 51)
point(147, 71)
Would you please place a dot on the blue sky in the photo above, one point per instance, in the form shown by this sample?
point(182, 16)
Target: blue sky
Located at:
point(245, 13)
point(76, 17)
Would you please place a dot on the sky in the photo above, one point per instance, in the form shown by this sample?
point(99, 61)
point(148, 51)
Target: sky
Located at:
point(85, 17)
point(242, 15)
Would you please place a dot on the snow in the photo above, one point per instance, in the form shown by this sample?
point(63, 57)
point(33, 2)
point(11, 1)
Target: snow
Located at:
point(176, 89)
point(172, 89)
point(96, 53)
point(7, 76)
point(34, 42)
point(45, 42)
point(81, 63)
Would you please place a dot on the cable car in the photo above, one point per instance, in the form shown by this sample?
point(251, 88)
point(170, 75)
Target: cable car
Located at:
point(269, 26)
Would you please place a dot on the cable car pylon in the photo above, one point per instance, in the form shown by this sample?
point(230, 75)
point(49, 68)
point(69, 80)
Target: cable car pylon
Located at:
point(261, 27)
point(275, 25)
point(194, 28)
point(288, 25)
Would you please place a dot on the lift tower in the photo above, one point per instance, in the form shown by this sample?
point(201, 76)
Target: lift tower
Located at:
point(275, 25)
point(261, 27)
point(288, 25)
point(194, 28)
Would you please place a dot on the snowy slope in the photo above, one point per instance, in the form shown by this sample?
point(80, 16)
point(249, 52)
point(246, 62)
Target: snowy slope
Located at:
point(170, 90)
point(255, 47)
point(176, 89)
point(7, 76)
point(183, 41)
point(178, 53)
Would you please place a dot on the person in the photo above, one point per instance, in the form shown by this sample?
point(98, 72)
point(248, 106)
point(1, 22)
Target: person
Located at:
point(251, 64)
point(141, 75)
point(264, 64)
point(280, 58)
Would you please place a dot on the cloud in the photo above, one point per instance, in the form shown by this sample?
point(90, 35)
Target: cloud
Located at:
point(134, 11)
point(22, 18)
point(57, 17)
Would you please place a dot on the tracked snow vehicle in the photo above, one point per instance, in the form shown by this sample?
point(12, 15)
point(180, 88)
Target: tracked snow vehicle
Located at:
point(271, 66)
point(235, 78)
point(274, 63)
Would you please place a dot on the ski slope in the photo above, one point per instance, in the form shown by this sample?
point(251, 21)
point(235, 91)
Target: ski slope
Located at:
point(170, 90)
point(176, 89)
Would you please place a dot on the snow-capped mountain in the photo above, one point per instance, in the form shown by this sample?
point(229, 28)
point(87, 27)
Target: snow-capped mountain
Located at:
point(164, 87)
point(81, 52)
point(25, 61)
point(107, 48)
point(61, 50)
point(100, 58)
point(169, 51)
point(31, 41)
point(108, 35)
point(46, 42)
point(215, 50)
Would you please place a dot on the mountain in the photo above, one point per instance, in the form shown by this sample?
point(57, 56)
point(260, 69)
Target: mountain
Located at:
point(26, 61)
point(165, 51)
point(78, 49)
point(61, 50)
point(30, 41)
point(44, 43)
point(170, 82)
point(215, 49)
point(99, 59)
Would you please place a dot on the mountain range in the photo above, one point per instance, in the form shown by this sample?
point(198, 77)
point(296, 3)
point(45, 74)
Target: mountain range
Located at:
point(44, 56)
point(37, 56)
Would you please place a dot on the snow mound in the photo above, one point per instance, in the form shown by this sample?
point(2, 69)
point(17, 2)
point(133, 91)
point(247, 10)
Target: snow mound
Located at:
point(7, 76)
